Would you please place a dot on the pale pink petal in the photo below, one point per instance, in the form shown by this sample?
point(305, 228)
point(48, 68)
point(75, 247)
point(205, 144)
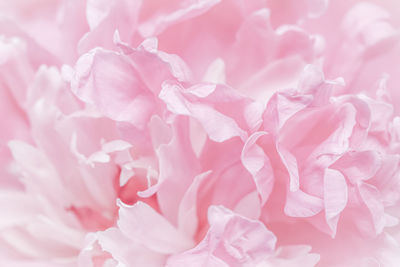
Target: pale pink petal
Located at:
point(128, 251)
point(289, 256)
point(177, 152)
point(268, 52)
point(146, 58)
point(15, 67)
point(335, 197)
point(301, 204)
point(258, 164)
point(108, 80)
point(218, 126)
point(187, 216)
point(21, 211)
point(140, 222)
point(358, 166)
point(289, 11)
point(281, 107)
point(104, 18)
point(232, 240)
point(186, 10)
point(371, 197)
point(38, 170)
point(290, 162)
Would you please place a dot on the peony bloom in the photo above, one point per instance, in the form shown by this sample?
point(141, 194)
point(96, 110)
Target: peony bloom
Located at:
point(203, 133)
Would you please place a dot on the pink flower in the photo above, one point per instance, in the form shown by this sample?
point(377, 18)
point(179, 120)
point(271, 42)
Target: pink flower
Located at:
point(199, 133)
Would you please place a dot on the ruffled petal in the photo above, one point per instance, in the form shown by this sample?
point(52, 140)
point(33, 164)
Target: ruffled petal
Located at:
point(231, 241)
